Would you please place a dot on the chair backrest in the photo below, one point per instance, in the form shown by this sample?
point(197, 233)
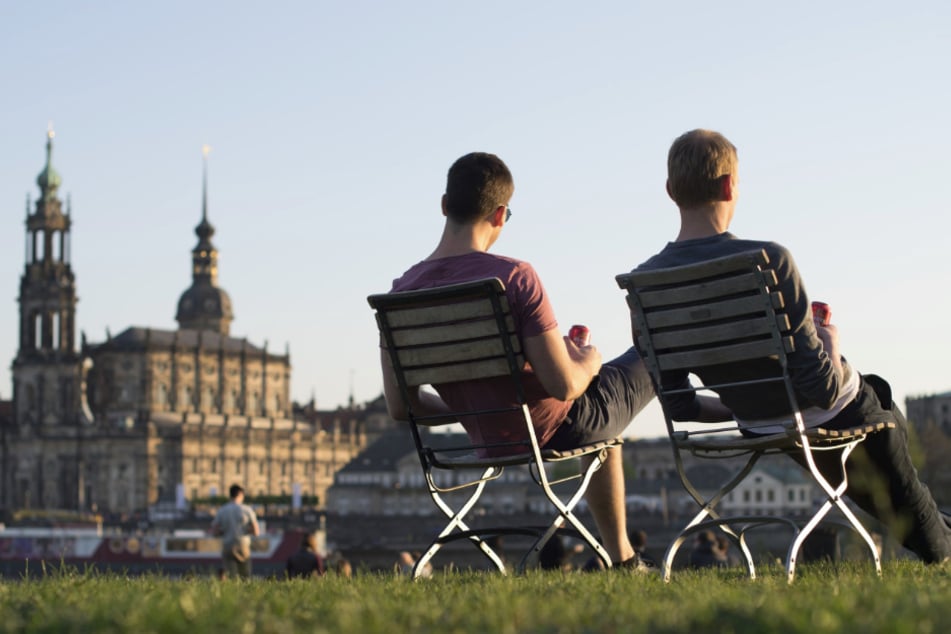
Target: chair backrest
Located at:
point(707, 317)
point(460, 332)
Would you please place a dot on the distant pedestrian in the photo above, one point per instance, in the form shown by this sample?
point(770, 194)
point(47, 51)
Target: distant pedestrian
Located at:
point(236, 523)
point(343, 568)
point(306, 562)
point(406, 562)
point(705, 553)
point(729, 557)
point(639, 542)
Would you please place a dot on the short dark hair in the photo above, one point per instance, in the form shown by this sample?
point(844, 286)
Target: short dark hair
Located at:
point(696, 162)
point(477, 184)
point(235, 490)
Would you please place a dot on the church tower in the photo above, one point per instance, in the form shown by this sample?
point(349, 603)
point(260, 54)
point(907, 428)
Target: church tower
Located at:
point(205, 306)
point(46, 368)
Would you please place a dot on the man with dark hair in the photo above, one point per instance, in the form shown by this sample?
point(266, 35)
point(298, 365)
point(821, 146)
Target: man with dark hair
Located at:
point(572, 397)
point(703, 182)
point(236, 523)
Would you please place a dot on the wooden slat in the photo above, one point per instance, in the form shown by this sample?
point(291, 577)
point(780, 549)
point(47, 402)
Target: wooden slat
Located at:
point(713, 356)
point(437, 295)
point(711, 311)
point(680, 274)
point(454, 352)
point(412, 317)
point(450, 332)
point(716, 334)
point(744, 282)
point(460, 372)
point(820, 433)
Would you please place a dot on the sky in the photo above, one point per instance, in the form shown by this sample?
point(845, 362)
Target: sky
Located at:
point(332, 125)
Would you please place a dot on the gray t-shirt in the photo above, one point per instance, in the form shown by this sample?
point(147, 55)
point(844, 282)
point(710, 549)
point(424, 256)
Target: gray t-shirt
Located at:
point(811, 369)
point(235, 522)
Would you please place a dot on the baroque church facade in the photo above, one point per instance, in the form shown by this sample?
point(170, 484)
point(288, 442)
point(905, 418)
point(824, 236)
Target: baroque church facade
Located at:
point(150, 417)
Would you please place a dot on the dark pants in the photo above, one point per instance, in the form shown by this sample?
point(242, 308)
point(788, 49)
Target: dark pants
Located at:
point(882, 479)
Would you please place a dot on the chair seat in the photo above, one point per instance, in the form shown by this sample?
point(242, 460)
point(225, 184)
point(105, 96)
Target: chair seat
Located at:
point(472, 461)
point(785, 441)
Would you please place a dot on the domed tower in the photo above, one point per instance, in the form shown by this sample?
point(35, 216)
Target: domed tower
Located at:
point(46, 368)
point(205, 306)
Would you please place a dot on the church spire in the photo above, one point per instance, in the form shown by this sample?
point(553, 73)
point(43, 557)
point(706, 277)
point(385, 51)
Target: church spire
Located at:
point(47, 304)
point(205, 306)
point(49, 179)
point(205, 255)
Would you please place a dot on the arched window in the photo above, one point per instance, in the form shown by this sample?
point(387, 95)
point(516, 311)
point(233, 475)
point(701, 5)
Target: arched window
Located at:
point(55, 330)
point(161, 396)
point(39, 246)
point(55, 244)
point(185, 398)
point(208, 399)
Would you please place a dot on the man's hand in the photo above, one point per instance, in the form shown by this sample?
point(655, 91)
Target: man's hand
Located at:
point(564, 369)
point(588, 356)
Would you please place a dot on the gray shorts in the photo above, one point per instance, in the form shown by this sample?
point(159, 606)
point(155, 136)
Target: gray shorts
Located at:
point(621, 390)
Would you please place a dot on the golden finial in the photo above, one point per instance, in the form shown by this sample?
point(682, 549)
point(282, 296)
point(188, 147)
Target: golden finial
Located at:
point(49, 129)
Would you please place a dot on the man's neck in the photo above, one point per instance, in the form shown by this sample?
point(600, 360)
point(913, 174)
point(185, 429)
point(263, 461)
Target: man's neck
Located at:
point(461, 240)
point(703, 222)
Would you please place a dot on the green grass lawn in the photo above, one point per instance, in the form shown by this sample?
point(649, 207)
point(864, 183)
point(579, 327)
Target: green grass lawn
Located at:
point(825, 598)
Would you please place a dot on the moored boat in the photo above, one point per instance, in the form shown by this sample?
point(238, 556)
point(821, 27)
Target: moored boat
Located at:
point(29, 550)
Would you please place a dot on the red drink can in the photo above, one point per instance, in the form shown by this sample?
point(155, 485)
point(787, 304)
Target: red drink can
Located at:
point(580, 335)
point(821, 313)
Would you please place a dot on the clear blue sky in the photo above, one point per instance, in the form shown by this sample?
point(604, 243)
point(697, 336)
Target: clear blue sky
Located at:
point(333, 123)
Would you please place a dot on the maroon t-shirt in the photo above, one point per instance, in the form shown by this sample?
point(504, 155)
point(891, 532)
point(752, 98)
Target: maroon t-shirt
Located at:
point(532, 314)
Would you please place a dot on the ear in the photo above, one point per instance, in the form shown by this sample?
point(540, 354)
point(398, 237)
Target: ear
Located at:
point(443, 204)
point(726, 187)
point(667, 187)
point(498, 216)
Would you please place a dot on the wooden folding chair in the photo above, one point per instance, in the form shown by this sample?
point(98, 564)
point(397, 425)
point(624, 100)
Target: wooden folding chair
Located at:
point(704, 317)
point(465, 332)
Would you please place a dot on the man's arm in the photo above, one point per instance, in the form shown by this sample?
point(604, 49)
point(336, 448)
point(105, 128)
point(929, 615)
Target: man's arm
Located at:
point(254, 528)
point(424, 403)
point(564, 369)
point(815, 364)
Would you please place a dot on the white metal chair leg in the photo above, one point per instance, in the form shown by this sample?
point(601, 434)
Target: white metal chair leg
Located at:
point(566, 512)
point(834, 498)
point(456, 521)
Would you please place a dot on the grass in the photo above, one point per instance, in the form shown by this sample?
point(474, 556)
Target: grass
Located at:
point(837, 598)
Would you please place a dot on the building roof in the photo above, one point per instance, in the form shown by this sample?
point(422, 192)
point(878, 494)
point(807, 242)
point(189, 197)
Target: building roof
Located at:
point(137, 338)
point(786, 473)
point(385, 453)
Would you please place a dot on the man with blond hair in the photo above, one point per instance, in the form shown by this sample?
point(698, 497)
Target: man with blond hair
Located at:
point(702, 179)
point(573, 398)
